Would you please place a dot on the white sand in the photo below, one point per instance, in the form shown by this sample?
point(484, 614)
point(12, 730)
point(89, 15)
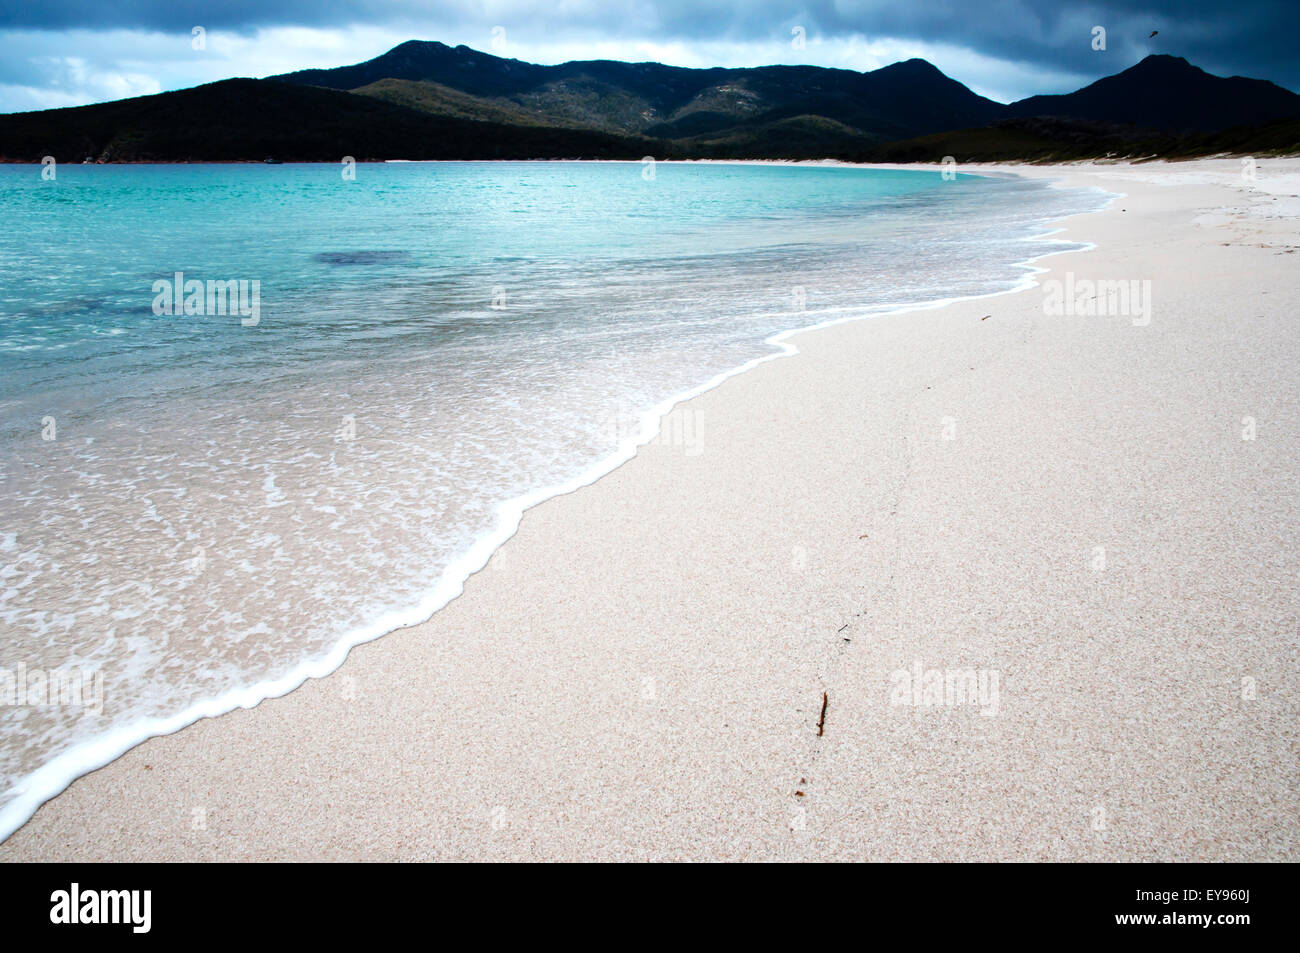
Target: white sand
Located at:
point(639, 673)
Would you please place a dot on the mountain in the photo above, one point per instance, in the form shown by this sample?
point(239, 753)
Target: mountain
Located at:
point(427, 100)
point(1169, 93)
point(252, 119)
point(700, 107)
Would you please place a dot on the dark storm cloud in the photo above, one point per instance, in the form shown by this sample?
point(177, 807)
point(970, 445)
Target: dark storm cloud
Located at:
point(1224, 36)
point(177, 15)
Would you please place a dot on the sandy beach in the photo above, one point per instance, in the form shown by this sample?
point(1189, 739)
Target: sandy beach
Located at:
point(726, 648)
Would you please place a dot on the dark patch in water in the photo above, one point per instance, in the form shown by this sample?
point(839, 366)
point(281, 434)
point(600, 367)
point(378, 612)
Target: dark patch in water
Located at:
point(85, 305)
point(361, 257)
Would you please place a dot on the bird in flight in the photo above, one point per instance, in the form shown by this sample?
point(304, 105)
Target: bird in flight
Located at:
point(1153, 33)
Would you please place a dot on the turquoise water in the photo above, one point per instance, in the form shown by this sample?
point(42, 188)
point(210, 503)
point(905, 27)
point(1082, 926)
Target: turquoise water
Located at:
point(204, 508)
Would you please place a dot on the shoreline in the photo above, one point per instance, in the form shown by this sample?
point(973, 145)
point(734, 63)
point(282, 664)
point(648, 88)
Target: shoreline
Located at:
point(52, 778)
point(60, 822)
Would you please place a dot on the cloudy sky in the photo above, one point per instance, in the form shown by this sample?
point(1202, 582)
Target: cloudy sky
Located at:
point(70, 52)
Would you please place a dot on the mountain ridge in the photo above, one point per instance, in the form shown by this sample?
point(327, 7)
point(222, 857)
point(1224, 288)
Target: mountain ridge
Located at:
point(909, 98)
point(423, 99)
point(1180, 95)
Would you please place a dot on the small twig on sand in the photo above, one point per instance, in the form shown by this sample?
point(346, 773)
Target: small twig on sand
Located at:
point(821, 722)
